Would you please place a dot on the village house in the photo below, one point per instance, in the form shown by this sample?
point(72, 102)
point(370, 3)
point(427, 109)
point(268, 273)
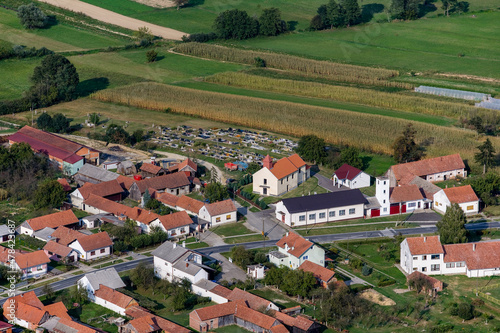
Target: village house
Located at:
point(464, 196)
point(68, 155)
point(92, 281)
point(65, 218)
point(5, 231)
point(110, 190)
point(175, 225)
point(94, 175)
point(151, 170)
point(59, 252)
point(427, 255)
point(92, 247)
point(175, 183)
point(321, 208)
point(277, 178)
point(145, 322)
point(351, 177)
point(436, 285)
point(322, 274)
point(64, 183)
point(293, 250)
point(256, 271)
point(187, 166)
point(298, 324)
point(188, 204)
point(31, 264)
point(174, 263)
point(233, 313)
point(218, 212)
point(206, 288)
point(114, 300)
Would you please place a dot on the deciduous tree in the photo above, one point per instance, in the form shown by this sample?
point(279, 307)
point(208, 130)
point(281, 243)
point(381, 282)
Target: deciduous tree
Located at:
point(271, 23)
point(451, 228)
point(236, 24)
point(312, 148)
point(350, 155)
point(49, 194)
point(31, 16)
point(351, 11)
point(216, 192)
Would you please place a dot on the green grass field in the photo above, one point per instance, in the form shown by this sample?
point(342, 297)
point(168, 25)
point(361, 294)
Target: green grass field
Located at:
point(232, 229)
point(402, 45)
point(59, 37)
point(15, 76)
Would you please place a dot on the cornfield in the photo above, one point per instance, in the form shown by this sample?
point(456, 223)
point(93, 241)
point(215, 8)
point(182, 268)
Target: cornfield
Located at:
point(368, 97)
point(366, 131)
point(332, 70)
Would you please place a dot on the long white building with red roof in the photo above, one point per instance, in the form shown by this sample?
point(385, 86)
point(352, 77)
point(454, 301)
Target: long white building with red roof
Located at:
point(427, 255)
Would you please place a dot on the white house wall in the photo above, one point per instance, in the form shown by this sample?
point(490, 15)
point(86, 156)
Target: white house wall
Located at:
point(294, 220)
point(207, 293)
point(163, 269)
point(109, 305)
point(271, 182)
point(82, 254)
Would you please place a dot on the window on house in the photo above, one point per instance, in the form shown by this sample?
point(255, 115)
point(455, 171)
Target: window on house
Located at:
point(470, 207)
point(286, 178)
point(384, 191)
point(40, 268)
point(312, 216)
point(302, 217)
point(92, 253)
point(103, 250)
point(182, 230)
point(424, 257)
point(305, 257)
point(385, 208)
point(352, 211)
point(322, 215)
point(331, 214)
point(435, 256)
point(265, 181)
point(435, 267)
point(292, 175)
point(228, 217)
point(342, 212)
point(217, 219)
point(412, 204)
point(384, 182)
point(460, 264)
point(424, 269)
point(415, 258)
point(282, 182)
point(415, 268)
point(450, 265)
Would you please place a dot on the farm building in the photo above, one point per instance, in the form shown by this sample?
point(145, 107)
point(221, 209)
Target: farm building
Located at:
point(176, 183)
point(464, 196)
point(351, 177)
point(94, 175)
point(110, 190)
point(151, 170)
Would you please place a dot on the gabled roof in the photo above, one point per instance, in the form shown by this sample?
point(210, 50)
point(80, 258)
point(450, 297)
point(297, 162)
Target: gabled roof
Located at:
point(187, 162)
point(221, 207)
point(54, 220)
point(31, 259)
point(57, 248)
point(319, 272)
point(405, 193)
point(299, 321)
point(255, 317)
point(479, 255)
point(65, 184)
point(125, 182)
point(4, 230)
point(218, 310)
point(64, 235)
point(255, 302)
point(70, 326)
point(283, 167)
point(175, 220)
point(190, 204)
point(425, 245)
point(460, 194)
point(324, 201)
point(57, 309)
point(296, 160)
point(115, 297)
point(427, 187)
point(29, 313)
point(106, 205)
point(430, 166)
point(103, 189)
point(108, 277)
point(97, 174)
point(152, 323)
point(6, 254)
point(347, 172)
point(173, 180)
point(95, 241)
point(141, 215)
point(213, 287)
point(167, 198)
point(169, 251)
point(297, 245)
point(151, 168)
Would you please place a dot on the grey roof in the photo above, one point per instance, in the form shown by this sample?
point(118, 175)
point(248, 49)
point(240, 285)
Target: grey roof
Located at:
point(324, 201)
point(64, 328)
point(187, 266)
point(372, 203)
point(95, 217)
point(278, 254)
point(169, 251)
point(108, 277)
point(44, 233)
point(4, 230)
point(428, 187)
point(206, 284)
point(90, 171)
point(50, 324)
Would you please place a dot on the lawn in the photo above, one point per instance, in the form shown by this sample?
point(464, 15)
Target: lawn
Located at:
point(308, 187)
point(280, 300)
point(194, 246)
point(312, 231)
point(244, 239)
point(59, 37)
point(459, 44)
point(16, 75)
point(92, 314)
point(231, 229)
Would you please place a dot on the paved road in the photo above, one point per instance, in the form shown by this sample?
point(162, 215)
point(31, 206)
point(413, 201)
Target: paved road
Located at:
point(272, 228)
point(108, 16)
point(327, 184)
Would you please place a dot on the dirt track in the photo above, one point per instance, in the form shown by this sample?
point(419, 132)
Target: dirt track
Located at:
point(108, 16)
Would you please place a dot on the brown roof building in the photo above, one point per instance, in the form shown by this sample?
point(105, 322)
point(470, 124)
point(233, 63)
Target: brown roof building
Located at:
point(322, 274)
point(176, 183)
point(64, 218)
point(151, 170)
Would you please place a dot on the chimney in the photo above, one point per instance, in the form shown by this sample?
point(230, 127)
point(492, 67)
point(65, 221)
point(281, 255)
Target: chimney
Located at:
point(425, 239)
point(474, 247)
point(187, 264)
point(184, 244)
point(287, 233)
point(174, 245)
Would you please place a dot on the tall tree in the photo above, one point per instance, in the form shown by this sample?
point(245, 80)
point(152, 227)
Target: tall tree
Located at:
point(405, 9)
point(352, 12)
point(216, 192)
point(49, 194)
point(236, 24)
point(44, 122)
point(271, 23)
point(486, 155)
point(335, 15)
point(31, 16)
point(350, 155)
point(311, 148)
point(448, 5)
point(405, 148)
point(60, 124)
point(451, 228)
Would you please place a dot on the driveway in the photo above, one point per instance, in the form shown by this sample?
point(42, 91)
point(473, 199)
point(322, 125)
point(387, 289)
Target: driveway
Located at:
point(327, 184)
point(272, 227)
point(229, 270)
point(108, 16)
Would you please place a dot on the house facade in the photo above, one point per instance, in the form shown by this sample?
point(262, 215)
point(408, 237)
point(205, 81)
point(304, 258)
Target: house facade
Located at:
point(176, 225)
point(351, 177)
point(294, 250)
point(277, 178)
point(32, 264)
point(219, 212)
point(321, 208)
point(91, 247)
point(464, 196)
point(175, 183)
point(64, 218)
point(94, 280)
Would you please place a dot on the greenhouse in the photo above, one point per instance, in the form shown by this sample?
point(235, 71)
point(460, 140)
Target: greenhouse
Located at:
point(468, 95)
point(491, 103)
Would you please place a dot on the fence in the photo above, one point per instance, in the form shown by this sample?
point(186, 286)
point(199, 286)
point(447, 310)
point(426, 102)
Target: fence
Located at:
point(488, 297)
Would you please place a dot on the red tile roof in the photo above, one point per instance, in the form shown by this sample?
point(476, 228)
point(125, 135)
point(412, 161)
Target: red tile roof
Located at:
point(296, 160)
point(425, 245)
point(65, 184)
point(53, 221)
point(253, 301)
point(28, 313)
point(103, 189)
point(299, 321)
point(435, 282)
point(427, 167)
point(32, 259)
point(57, 248)
point(77, 326)
point(125, 182)
point(106, 205)
point(115, 297)
point(221, 207)
point(190, 204)
point(461, 194)
point(218, 310)
point(347, 172)
point(151, 323)
point(175, 220)
point(57, 309)
point(151, 168)
point(480, 255)
point(283, 167)
point(221, 291)
point(137, 312)
point(187, 162)
point(5, 256)
point(95, 241)
point(320, 272)
point(254, 317)
point(170, 181)
point(64, 235)
point(279, 329)
point(141, 215)
point(167, 198)
point(297, 245)
point(405, 193)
